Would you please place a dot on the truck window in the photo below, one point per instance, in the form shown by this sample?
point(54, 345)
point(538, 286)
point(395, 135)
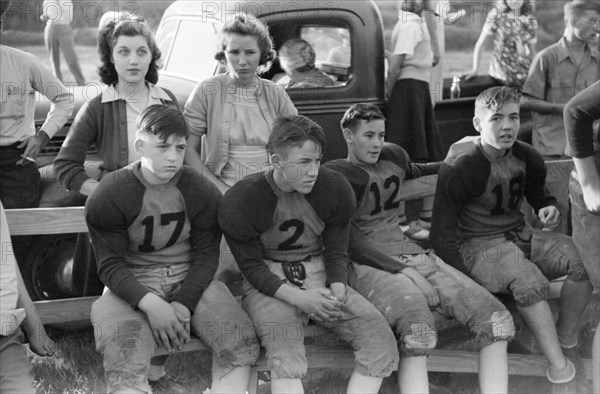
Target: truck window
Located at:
point(191, 57)
point(333, 55)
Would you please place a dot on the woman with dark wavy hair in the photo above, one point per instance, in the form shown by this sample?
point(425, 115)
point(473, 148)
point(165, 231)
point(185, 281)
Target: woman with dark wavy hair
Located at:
point(129, 67)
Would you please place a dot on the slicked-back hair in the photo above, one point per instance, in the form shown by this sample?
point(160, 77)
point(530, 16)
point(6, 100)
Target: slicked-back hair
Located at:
point(577, 8)
point(496, 97)
point(360, 112)
point(246, 25)
point(107, 38)
point(293, 131)
point(163, 121)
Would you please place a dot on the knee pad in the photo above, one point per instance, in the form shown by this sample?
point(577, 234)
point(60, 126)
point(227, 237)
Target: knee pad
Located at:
point(417, 339)
point(577, 272)
point(532, 295)
point(287, 363)
point(500, 327)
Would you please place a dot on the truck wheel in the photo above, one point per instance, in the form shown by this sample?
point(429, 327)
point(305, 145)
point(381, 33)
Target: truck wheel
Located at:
point(48, 270)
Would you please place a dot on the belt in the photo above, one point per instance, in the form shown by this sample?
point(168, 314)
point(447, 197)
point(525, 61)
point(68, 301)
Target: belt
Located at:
point(305, 259)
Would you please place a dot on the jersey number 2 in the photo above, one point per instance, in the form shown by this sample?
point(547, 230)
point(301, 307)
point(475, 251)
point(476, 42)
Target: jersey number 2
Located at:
point(288, 244)
point(390, 203)
point(165, 219)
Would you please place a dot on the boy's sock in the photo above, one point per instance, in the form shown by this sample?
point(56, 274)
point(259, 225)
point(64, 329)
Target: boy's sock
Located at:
point(156, 372)
point(424, 222)
point(402, 216)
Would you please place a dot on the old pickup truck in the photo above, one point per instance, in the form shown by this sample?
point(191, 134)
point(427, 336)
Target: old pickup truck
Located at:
point(187, 38)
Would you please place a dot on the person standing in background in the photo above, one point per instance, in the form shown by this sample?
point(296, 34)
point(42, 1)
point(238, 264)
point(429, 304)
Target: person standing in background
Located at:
point(559, 72)
point(411, 119)
point(22, 75)
point(58, 37)
point(513, 28)
point(435, 25)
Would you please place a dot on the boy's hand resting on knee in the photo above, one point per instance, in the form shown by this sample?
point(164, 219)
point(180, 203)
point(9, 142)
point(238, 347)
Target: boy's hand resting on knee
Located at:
point(549, 216)
point(338, 291)
point(319, 304)
point(164, 322)
point(185, 316)
point(426, 288)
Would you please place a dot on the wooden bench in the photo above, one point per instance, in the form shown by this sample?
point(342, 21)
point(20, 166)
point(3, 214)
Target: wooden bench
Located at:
point(322, 355)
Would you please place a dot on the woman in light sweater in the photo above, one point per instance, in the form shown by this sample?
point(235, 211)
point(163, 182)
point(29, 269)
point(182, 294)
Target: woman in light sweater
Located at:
point(230, 114)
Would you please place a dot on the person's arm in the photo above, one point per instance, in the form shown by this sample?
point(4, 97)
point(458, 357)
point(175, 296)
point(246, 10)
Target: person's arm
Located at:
point(205, 238)
point(487, 33)
point(108, 219)
point(43, 81)
point(535, 192)
point(482, 41)
point(68, 164)
point(394, 70)
point(532, 48)
point(10, 316)
point(579, 116)
point(196, 115)
point(531, 103)
point(39, 341)
point(588, 176)
point(363, 252)
point(535, 88)
point(451, 194)
point(242, 215)
point(193, 159)
point(429, 16)
point(282, 102)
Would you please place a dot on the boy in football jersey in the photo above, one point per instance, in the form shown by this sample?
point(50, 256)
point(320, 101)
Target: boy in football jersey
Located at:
point(155, 232)
point(288, 231)
point(479, 229)
point(402, 280)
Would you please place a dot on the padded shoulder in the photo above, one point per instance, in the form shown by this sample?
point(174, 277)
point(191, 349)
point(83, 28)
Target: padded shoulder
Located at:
point(357, 176)
point(395, 154)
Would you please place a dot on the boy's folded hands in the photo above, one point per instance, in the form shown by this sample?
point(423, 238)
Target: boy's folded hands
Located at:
point(166, 322)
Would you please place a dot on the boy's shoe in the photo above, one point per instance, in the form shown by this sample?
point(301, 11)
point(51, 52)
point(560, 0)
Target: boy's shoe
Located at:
point(424, 225)
point(415, 231)
point(573, 355)
point(562, 376)
point(167, 384)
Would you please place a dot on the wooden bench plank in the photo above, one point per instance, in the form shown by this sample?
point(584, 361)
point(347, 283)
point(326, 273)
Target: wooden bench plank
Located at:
point(33, 221)
point(68, 310)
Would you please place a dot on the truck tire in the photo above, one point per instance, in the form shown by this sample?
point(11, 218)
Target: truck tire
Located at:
point(47, 270)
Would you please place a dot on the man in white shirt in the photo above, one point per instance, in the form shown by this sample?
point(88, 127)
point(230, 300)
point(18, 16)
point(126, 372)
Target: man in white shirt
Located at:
point(58, 37)
point(23, 75)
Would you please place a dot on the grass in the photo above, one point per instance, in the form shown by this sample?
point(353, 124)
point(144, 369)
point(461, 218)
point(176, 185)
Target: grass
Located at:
point(77, 368)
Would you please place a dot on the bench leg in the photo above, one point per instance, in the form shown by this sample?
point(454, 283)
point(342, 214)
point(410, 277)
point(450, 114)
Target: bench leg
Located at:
point(253, 381)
